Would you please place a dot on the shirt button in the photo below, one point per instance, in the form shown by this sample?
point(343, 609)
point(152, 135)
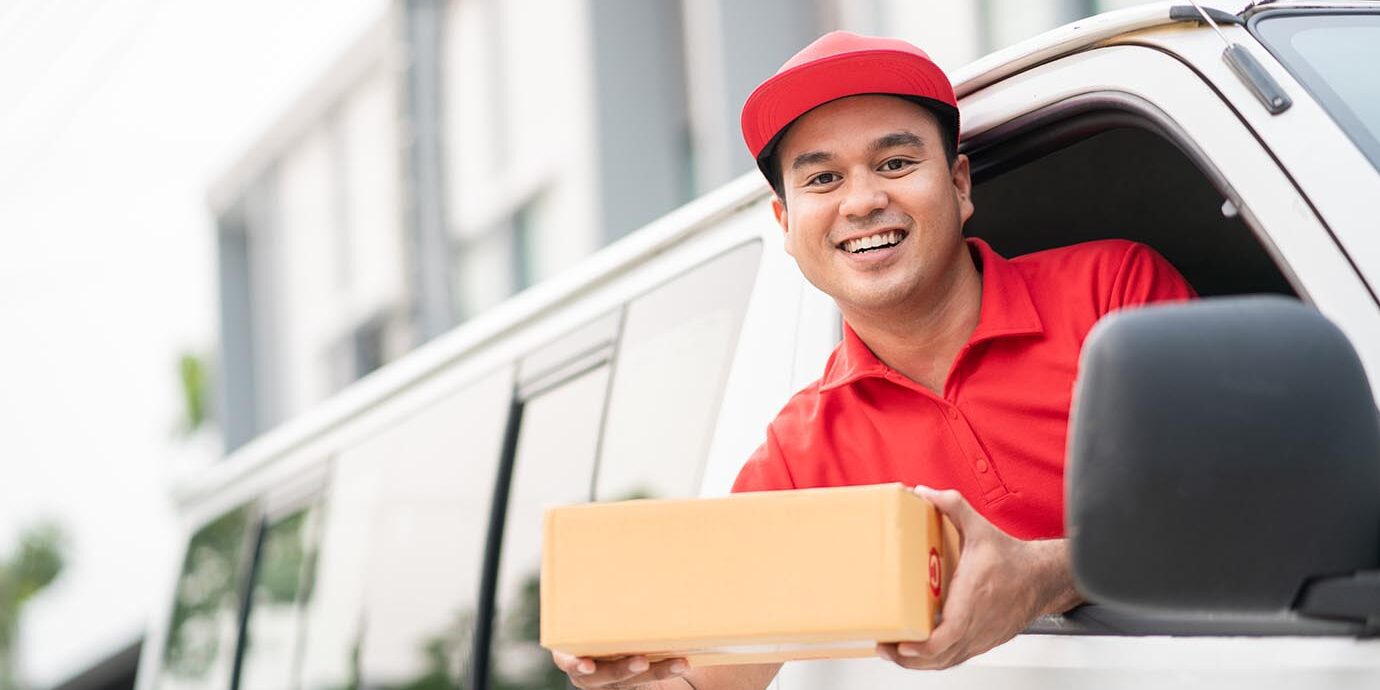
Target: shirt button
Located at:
point(953, 413)
point(981, 465)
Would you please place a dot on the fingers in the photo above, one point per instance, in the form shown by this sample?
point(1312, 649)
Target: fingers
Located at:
point(669, 668)
point(907, 657)
point(572, 665)
point(945, 647)
point(949, 502)
point(613, 673)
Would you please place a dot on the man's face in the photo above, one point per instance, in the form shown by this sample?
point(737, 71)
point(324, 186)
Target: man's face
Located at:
point(873, 212)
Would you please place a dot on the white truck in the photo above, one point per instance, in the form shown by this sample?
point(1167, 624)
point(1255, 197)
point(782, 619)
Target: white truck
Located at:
point(1224, 472)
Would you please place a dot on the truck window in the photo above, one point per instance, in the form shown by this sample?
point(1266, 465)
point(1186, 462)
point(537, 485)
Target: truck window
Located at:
point(1102, 174)
point(278, 590)
point(1111, 175)
point(674, 353)
point(200, 648)
point(1328, 52)
point(553, 465)
point(403, 533)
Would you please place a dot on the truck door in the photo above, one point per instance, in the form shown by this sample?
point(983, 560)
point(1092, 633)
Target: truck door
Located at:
point(1128, 141)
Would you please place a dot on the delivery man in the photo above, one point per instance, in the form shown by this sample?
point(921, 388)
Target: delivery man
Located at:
point(957, 365)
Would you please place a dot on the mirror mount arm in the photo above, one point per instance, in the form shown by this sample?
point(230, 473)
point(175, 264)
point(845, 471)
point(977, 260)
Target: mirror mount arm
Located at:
point(1354, 597)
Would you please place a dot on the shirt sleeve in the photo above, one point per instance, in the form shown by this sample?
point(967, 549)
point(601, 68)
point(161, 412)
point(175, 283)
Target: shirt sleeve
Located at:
point(1146, 277)
point(766, 470)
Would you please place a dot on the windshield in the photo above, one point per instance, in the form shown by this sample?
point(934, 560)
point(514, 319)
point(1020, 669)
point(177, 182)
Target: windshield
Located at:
point(1334, 54)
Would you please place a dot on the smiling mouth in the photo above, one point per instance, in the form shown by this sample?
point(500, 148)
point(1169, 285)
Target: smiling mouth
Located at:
point(881, 240)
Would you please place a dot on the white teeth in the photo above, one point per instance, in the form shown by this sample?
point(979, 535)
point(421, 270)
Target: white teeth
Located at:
point(878, 240)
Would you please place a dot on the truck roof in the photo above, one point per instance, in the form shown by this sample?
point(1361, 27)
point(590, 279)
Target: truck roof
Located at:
point(1099, 29)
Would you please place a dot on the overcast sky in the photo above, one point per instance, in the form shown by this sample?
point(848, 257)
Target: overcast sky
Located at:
point(115, 116)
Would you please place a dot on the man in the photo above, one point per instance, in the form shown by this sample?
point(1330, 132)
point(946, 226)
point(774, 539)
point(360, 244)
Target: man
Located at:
point(957, 365)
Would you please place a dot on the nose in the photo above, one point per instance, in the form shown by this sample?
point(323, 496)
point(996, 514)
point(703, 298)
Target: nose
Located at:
point(862, 197)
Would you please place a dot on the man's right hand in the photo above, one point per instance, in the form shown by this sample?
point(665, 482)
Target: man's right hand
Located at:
point(625, 672)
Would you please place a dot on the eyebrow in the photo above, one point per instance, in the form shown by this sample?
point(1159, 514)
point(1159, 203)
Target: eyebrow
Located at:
point(882, 143)
point(896, 140)
point(811, 158)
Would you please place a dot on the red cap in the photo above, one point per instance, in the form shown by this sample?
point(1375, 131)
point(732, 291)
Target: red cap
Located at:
point(840, 64)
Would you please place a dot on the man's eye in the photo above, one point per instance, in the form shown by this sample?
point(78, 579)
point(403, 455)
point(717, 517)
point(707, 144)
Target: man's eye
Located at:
point(895, 164)
point(823, 178)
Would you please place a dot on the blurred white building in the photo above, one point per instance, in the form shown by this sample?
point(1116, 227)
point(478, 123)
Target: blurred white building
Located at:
point(463, 150)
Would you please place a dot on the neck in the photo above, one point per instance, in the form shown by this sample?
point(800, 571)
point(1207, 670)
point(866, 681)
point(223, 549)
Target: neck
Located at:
point(922, 340)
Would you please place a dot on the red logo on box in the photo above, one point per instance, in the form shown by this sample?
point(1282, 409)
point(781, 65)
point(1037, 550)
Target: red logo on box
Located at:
point(934, 571)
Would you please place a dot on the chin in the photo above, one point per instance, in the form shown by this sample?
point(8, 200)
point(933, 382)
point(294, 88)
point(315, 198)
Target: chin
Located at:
point(876, 298)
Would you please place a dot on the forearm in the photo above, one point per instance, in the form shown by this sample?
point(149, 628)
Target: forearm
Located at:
point(736, 677)
point(1055, 577)
point(679, 683)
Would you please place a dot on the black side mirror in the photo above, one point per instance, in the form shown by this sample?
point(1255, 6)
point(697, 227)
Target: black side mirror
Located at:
point(1224, 456)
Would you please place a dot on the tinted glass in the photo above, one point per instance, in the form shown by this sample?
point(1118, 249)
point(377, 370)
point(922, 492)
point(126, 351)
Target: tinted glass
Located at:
point(402, 546)
point(280, 588)
point(554, 466)
point(677, 344)
point(200, 649)
point(1334, 55)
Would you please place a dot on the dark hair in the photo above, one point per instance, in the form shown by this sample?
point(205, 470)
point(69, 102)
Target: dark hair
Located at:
point(943, 116)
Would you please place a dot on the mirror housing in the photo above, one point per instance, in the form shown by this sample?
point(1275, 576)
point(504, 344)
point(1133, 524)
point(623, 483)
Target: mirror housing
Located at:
point(1222, 453)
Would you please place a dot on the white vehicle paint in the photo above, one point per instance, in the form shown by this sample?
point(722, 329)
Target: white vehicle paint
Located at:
point(395, 475)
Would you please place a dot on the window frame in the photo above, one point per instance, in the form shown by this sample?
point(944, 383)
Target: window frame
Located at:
point(1305, 72)
point(1051, 130)
point(1276, 184)
point(568, 357)
point(1020, 106)
point(577, 352)
point(241, 587)
point(307, 492)
point(725, 375)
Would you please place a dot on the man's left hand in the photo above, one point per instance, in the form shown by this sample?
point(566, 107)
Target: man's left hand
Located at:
point(1000, 585)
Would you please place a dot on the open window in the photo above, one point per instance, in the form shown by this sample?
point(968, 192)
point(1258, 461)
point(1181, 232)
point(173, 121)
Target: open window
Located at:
point(1107, 167)
point(1116, 167)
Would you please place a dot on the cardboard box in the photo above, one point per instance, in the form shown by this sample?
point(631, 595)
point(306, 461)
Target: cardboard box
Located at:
point(751, 578)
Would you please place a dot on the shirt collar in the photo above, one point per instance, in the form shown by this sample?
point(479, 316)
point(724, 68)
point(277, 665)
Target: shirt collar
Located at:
point(1006, 311)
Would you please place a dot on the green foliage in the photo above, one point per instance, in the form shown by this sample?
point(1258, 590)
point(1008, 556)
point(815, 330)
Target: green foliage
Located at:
point(524, 621)
point(522, 632)
point(447, 657)
point(281, 558)
point(638, 494)
point(206, 595)
point(36, 562)
point(193, 374)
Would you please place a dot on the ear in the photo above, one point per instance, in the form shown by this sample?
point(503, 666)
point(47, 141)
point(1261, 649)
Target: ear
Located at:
point(963, 187)
point(778, 208)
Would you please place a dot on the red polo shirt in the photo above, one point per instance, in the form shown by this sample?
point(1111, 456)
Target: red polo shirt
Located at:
point(998, 432)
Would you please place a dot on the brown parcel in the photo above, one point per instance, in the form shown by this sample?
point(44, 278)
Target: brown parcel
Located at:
point(751, 578)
